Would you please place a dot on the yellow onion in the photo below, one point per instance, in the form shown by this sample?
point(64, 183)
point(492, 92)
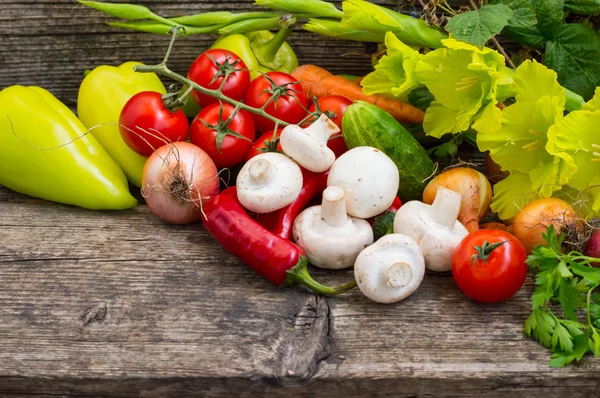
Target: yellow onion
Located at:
point(474, 188)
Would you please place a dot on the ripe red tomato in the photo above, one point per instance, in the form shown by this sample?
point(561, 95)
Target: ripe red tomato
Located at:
point(289, 103)
point(488, 274)
point(334, 106)
point(227, 143)
point(209, 71)
point(146, 123)
point(265, 143)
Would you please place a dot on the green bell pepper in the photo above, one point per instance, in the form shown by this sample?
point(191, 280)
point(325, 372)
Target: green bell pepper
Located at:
point(47, 154)
point(263, 51)
point(102, 95)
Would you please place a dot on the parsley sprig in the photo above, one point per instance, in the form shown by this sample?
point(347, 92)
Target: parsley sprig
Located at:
point(563, 298)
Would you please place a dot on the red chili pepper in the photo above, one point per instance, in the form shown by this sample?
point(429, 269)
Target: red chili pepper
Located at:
point(278, 260)
point(281, 222)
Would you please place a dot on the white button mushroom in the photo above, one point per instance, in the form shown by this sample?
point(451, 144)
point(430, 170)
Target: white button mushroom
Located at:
point(268, 182)
point(369, 178)
point(391, 269)
point(329, 237)
point(308, 146)
point(434, 227)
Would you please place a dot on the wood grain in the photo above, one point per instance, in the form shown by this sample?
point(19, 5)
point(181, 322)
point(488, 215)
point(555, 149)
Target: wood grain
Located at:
point(120, 304)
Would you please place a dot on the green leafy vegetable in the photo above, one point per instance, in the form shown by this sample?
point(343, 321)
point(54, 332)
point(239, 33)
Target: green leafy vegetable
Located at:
point(478, 26)
point(574, 53)
point(364, 15)
point(568, 280)
point(421, 98)
point(583, 7)
point(523, 14)
point(550, 15)
point(464, 81)
point(395, 72)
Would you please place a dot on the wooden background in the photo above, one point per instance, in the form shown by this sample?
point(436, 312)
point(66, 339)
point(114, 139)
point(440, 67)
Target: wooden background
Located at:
point(120, 304)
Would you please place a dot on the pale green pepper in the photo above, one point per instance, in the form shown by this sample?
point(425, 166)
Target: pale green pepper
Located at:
point(263, 51)
point(102, 95)
point(45, 152)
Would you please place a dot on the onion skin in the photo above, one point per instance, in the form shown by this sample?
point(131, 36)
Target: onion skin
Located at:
point(535, 218)
point(592, 248)
point(475, 191)
point(177, 178)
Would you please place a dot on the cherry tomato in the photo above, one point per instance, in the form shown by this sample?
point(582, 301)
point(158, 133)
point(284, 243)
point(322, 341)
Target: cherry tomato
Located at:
point(265, 143)
point(489, 265)
point(210, 69)
point(146, 123)
point(334, 106)
point(227, 143)
point(289, 103)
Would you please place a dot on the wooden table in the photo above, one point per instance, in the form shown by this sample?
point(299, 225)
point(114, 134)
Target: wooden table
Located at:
point(120, 304)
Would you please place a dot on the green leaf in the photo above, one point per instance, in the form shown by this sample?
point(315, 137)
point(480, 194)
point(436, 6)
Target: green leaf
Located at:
point(120, 10)
point(523, 14)
point(583, 7)
point(550, 15)
point(561, 337)
point(478, 26)
point(580, 348)
point(395, 72)
point(569, 299)
point(590, 274)
point(542, 295)
point(574, 53)
point(596, 343)
point(421, 98)
point(529, 36)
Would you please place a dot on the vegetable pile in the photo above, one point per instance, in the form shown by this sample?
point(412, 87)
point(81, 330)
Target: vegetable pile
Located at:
point(287, 165)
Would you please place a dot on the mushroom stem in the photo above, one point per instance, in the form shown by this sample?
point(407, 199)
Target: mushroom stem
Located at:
point(333, 207)
point(322, 129)
point(258, 169)
point(445, 207)
point(399, 274)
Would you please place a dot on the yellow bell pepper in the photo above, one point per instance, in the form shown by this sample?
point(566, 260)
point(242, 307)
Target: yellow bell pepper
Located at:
point(46, 153)
point(102, 95)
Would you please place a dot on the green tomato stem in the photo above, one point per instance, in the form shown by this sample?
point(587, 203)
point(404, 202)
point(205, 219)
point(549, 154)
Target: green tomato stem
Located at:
point(163, 70)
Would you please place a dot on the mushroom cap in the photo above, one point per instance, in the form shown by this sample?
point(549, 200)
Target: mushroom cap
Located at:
point(268, 182)
point(369, 178)
point(437, 242)
point(306, 149)
point(330, 247)
point(391, 269)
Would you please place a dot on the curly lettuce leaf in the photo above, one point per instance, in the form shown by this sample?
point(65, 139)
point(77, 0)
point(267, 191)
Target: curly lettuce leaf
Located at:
point(464, 81)
point(395, 72)
point(577, 138)
point(512, 194)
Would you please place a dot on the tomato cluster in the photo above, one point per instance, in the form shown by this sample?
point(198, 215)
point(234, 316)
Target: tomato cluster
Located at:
point(227, 134)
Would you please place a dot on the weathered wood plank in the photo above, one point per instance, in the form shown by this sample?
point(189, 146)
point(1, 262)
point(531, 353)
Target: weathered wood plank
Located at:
point(121, 304)
point(52, 43)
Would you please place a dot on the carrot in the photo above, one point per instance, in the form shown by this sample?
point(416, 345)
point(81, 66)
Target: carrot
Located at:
point(318, 82)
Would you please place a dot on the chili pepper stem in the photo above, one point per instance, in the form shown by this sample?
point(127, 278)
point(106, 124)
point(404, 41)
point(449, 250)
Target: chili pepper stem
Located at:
point(266, 53)
point(300, 275)
point(163, 70)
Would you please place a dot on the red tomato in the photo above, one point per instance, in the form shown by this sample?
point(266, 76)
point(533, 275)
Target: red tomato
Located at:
point(146, 123)
point(209, 71)
point(289, 103)
point(226, 143)
point(334, 106)
point(265, 143)
point(494, 275)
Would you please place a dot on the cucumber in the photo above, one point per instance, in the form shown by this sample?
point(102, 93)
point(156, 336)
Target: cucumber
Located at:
point(365, 124)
